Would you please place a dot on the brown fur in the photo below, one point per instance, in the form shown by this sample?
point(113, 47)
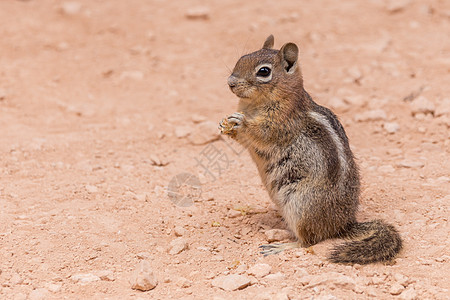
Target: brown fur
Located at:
point(303, 156)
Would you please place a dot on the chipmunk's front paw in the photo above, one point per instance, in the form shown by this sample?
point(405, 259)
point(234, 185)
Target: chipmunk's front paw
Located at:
point(232, 124)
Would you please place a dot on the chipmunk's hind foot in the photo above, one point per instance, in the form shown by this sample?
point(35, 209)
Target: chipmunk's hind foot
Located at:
point(270, 249)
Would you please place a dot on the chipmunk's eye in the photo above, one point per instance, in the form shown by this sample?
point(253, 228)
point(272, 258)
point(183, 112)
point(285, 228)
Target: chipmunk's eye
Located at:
point(263, 72)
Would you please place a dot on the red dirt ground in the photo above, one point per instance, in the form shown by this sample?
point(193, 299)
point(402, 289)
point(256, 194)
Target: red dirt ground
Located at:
point(102, 103)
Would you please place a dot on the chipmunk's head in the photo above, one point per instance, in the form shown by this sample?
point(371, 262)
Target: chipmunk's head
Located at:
point(267, 73)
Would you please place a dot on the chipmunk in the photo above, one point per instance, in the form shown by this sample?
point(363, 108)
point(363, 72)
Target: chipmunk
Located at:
point(303, 157)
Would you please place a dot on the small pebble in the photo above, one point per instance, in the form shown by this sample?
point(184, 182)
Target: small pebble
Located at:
point(16, 279)
point(184, 282)
point(391, 127)
point(395, 6)
point(39, 294)
point(338, 104)
point(177, 246)
point(410, 164)
point(204, 133)
point(20, 296)
point(3, 94)
point(386, 169)
point(198, 118)
point(276, 276)
point(234, 213)
point(54, 287)
point(276, 235)
point(197, 13)
point(182, 131)
point(106, 275)
point(143, 278)
point(231, 282)
point(422, 105)
point(401, 279)
point(71, 8)
point(409, 294)
point(91, 189)
point(259, 270)
point(143, 255)
point(84, 278)
point(132, 75)
point(179, 231)
point(371, 115)
point(396, 289)
point(442, 109)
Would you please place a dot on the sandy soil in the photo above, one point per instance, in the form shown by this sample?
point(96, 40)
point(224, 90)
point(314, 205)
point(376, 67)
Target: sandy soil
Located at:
point(103, 103)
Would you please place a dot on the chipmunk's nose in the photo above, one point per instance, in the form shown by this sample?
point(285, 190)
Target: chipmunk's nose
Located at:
point(232, 81)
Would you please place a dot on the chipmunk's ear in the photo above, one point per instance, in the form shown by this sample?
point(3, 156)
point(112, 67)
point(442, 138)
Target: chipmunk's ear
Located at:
point(268, 44)
point(289, 56)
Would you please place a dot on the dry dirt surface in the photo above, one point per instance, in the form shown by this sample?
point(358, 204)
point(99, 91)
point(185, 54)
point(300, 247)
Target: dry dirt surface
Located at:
point(114, 179)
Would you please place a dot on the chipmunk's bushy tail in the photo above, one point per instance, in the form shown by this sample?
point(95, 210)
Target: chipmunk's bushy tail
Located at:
point(374, 241)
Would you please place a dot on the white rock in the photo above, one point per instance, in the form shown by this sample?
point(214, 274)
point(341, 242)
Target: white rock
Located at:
point(71, 8)
point(443, 179)
point(16, 279)
point(338, 103)
point(143, 278)
point(198, 13)
point(20, 296)
point(54, 287)
point(410, 164)
point(444, 120)
point(396, 289)
point(3, 94)
point(258, 209)
point(182, 131)
point(143, 255)
point(344, 282)
point(355, 100)
point(263, 296)
point(141, 197)
point(156, 161)
point(91, 189)
point(324, 296)
point(276, 276)
point(276, 235)
point(39, 294)
point(305, 280)
point(234, 213)
point(394, 6)
point(198, 118)
point(177, 246)
point(443, 108)
point(402, 279)
point(394, 151)
point(204, 133)
point(133, 75)
point(332, 278)
point(84, 278)
point(179, 231)
point(241, 269)
point(386, 169)
point(231, 282)
point(184, 282)
point(391, 127)
point(281, 296)
point(409, 294)
point(372, 292)
point(106, 275)
point(259, 270)
point(371, 115)
point(355, 73)
point(422, 105)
